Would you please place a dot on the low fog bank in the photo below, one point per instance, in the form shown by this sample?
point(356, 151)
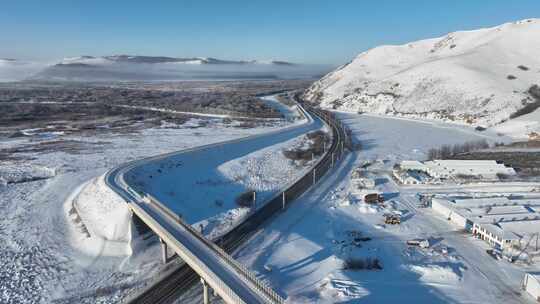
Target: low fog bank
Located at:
point(12, 71)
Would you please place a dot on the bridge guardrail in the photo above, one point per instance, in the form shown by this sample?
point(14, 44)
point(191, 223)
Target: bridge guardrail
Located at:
point(210, 276)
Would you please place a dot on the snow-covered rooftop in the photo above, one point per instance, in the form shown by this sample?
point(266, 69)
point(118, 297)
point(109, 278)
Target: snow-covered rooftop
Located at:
point(482, 202)
point(514, 230)
point(507, 219)
point(502, 210)
point(487, 168)
point(406, 164)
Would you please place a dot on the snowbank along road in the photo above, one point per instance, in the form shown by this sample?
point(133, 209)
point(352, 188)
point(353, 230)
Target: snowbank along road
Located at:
point(233, 282)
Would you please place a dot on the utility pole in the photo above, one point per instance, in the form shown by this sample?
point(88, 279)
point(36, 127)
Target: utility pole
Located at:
point(283, 200)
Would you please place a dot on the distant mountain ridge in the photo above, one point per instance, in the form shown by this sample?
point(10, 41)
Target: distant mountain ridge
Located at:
point(165, 68)
point(92, 60)
point(481, 77)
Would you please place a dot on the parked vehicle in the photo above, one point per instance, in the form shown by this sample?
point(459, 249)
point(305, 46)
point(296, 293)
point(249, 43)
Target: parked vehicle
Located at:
point(392, 219)
point(494, 254)
point(373, 198)
point(422, 243)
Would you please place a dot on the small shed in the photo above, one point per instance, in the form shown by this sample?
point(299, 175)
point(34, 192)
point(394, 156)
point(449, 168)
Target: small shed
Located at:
point(531, 284)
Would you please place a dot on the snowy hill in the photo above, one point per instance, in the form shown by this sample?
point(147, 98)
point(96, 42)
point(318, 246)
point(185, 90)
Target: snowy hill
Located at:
point(482, 77)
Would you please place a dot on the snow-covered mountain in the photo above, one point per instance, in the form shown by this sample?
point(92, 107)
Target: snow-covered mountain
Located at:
point(104, 60)
point(480, 77)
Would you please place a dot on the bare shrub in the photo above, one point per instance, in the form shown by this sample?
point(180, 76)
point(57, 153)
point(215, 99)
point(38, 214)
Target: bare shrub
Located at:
point(502, 176)
point(362, 264)
point(447, 151)
point(467, 177)
point(316, 148)
point(247, 125)
point(319, 138)
point(218, 203)
point(523, 68)
point(511, 77)
point(534, 91)
point(245, 199)
point(298, 154)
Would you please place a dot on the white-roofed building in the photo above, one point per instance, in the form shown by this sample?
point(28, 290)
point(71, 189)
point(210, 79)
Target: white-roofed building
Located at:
point(413, 165)
point(481, 169)
point(499, 221)
point(531, 284)
point(409, 177)
point(458, 169)
point(503, 231)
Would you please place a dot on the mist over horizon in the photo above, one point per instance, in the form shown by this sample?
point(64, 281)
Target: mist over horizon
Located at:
point(149, 68)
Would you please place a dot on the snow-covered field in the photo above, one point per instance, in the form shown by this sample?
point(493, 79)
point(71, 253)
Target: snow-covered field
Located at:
point(66, 237)
point(478, 77)
point(202, 185)
point(60, 243)
point(301, 252)
point(395, 139)
point(20, 173)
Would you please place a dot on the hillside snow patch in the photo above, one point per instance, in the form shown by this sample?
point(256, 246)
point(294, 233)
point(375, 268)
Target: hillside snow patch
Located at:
point(266, 170)
point(106, 219)
point(435, 274)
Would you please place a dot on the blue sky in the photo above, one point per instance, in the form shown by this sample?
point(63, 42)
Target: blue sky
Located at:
point(326, 32)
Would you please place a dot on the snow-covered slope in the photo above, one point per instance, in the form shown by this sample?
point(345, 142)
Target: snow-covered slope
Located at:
point(479, 77)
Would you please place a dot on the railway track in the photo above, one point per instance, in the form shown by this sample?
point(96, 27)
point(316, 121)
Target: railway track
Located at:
point(172, 284)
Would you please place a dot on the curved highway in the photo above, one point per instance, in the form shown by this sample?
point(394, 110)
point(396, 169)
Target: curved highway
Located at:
point(234, 283)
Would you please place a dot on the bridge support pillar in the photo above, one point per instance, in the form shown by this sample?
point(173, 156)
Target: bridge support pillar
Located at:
point(205, 292)
point(163, 251)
